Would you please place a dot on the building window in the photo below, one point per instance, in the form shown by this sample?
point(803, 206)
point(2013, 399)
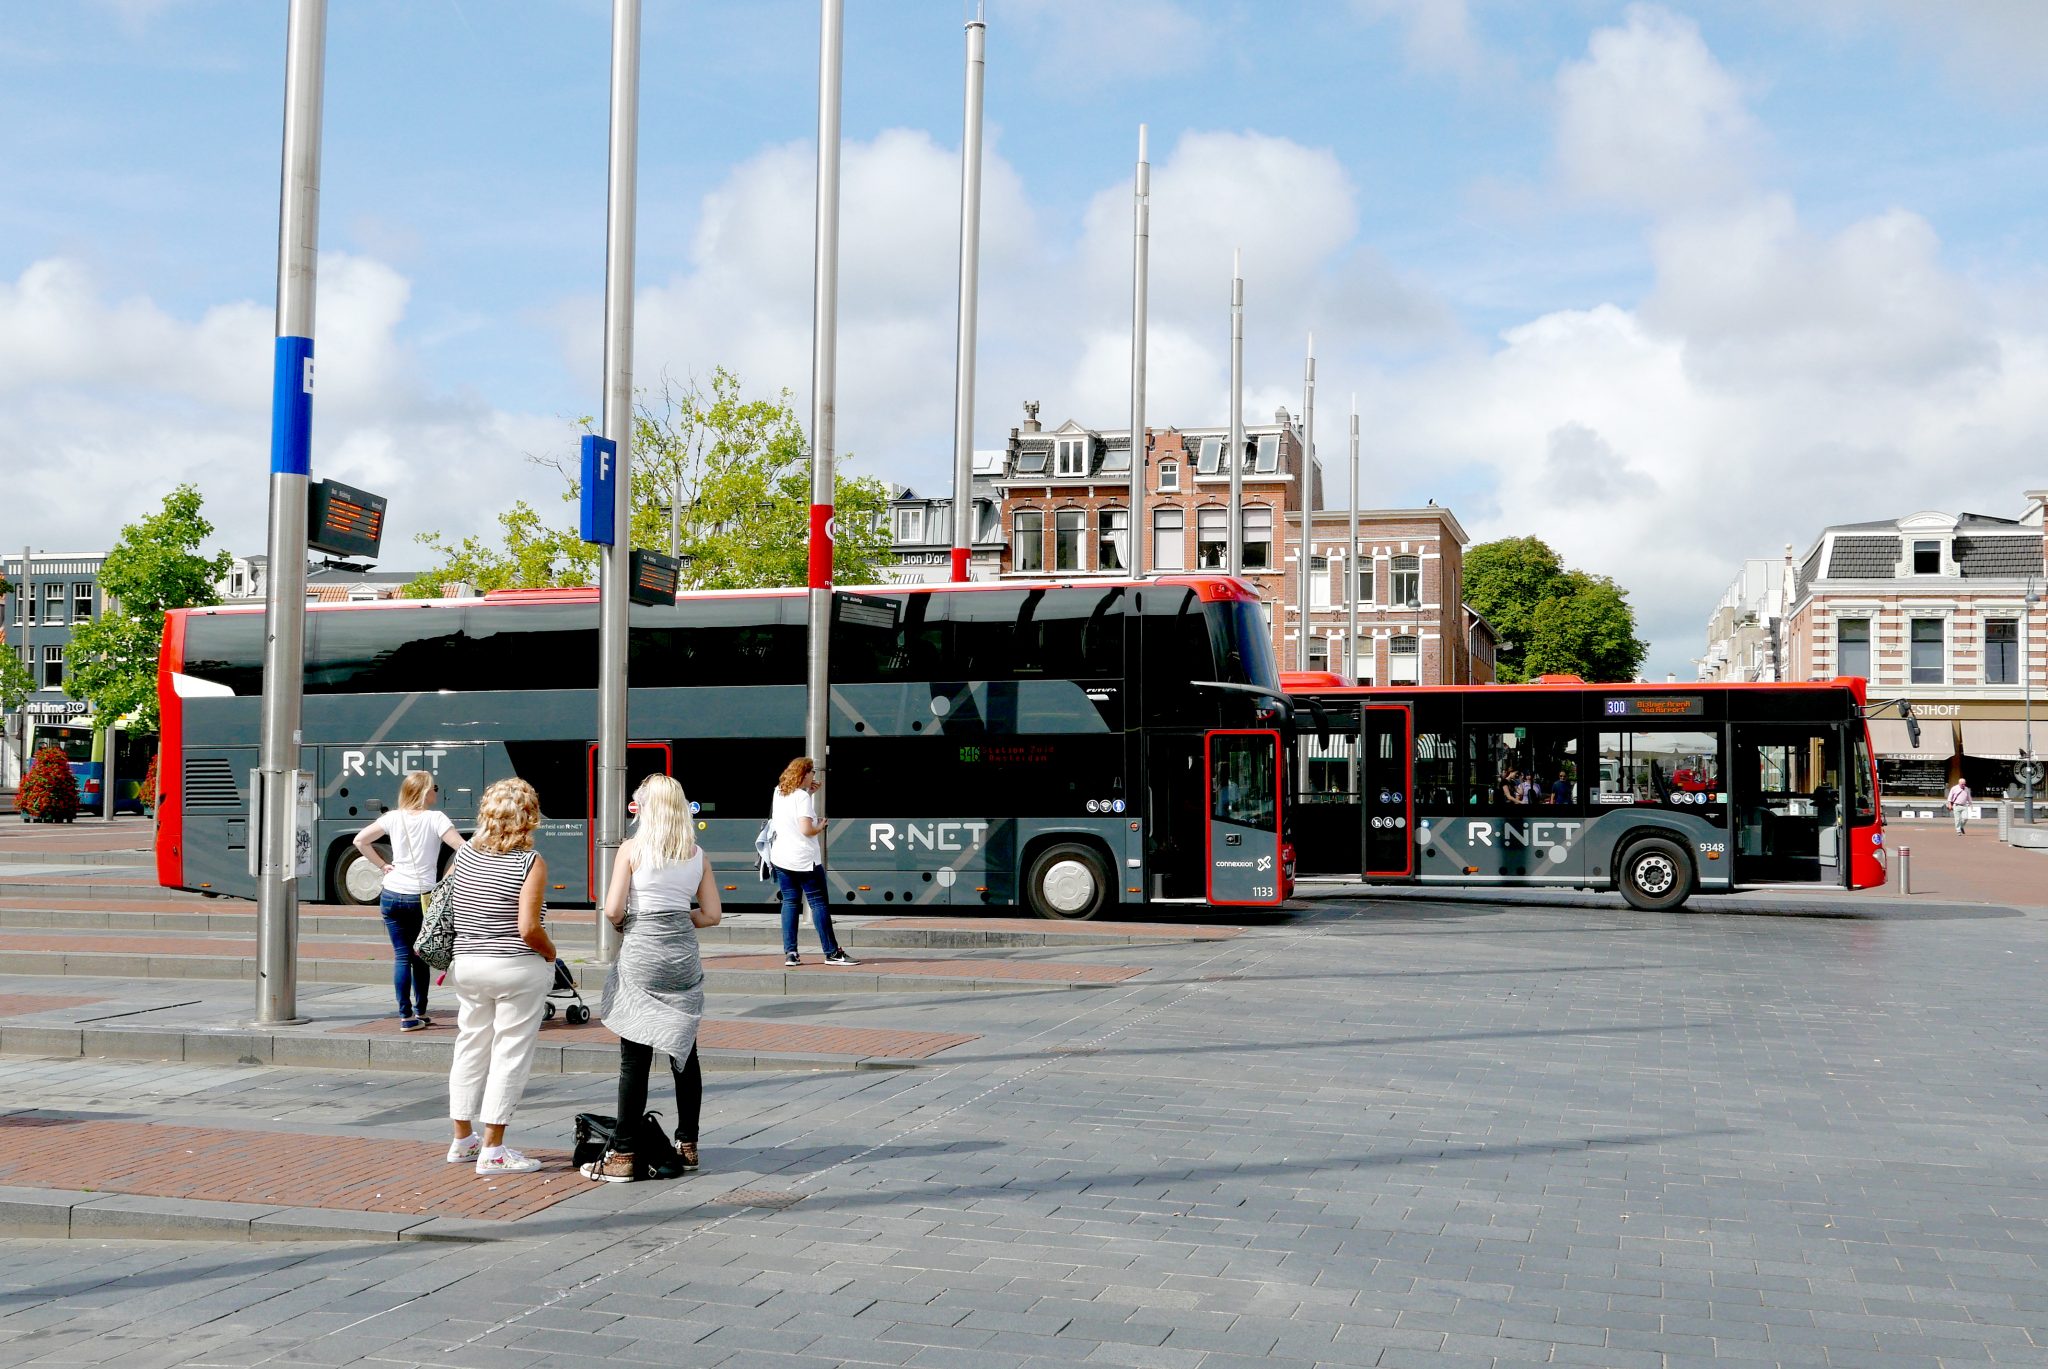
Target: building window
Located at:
point(1169, 539)
point(1362, 585)
point(1212, 538)
point(53, 602)
point(1404, 660)
point(1318, 653)
point(237, 585)
point(1266, 458)
point(53, 667)
point(1068, 527)
point(1027, 531)
point(1927, 558)
point(1407, 582)
point(81, 601)
point(2001, 651)
point(1209, 456)
point(1070, 456)
point(1318, 582)
point(1113, 528)
point(1361, 661)
point(28, 605)
point(1258, 538)
point(1852, 647)
point(1169, 476)
point(910, 525)
point(1927, 654)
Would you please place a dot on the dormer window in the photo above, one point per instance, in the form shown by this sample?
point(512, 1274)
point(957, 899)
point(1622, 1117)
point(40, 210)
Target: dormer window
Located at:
point(1927, 558)
point(910, 525)
point(1267, 454)
point(1169, 476)
point(1070, 456)
point(1209, 456)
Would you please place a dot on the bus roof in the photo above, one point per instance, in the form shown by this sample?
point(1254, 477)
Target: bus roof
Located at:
point(1323, 682)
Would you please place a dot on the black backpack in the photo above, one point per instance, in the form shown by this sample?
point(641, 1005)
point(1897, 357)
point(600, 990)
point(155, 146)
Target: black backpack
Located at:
point(654, 1155)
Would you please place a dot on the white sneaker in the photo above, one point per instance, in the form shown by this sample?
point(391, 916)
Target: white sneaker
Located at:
point(506, 1161)
point(464, 1149)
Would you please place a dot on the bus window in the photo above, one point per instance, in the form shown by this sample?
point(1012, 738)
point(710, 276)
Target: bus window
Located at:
point(1521, 767)
point(1863, 803)
point(1663, 769)
point(1242, 785)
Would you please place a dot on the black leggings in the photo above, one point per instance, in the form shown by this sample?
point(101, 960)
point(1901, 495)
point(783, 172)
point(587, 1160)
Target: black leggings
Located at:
point(634, 1062)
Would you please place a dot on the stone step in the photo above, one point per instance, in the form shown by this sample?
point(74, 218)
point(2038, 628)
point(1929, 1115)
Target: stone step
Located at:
point(137, 860)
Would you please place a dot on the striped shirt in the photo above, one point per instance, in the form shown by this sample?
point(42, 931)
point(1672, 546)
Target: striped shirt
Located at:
point(486, 901)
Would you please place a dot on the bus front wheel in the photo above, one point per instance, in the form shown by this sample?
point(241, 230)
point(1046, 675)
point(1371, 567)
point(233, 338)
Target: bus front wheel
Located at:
point(356, 880)
point(1655, 875)
point(1067, 883)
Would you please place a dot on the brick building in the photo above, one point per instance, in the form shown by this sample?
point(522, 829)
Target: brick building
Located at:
point(1938, 609)
point(1414, 626)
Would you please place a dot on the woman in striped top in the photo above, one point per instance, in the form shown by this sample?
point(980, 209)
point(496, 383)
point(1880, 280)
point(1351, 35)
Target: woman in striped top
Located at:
point(504, 966)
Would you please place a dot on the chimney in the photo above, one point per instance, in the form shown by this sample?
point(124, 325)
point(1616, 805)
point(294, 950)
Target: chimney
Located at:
point(1031, 424)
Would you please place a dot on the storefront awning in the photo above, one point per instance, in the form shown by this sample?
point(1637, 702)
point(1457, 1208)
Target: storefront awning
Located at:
point(1889, 738)
point(2001, 740)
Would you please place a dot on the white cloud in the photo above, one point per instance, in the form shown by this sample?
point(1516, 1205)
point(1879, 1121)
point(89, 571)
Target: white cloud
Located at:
point(1086, 42)
point(2000, 42)
point(1439, 33)
point(1650, 120)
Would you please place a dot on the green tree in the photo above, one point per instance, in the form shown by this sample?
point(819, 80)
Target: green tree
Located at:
point(154, 567)
point(16, 684)
point(1548, 619)
point(728, 474)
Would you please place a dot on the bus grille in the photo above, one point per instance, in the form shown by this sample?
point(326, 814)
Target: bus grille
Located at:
point(210, 783)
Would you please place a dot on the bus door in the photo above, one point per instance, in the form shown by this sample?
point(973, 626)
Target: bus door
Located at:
point(642, 759)
point(1785, 792)
point(1327, 824)
point(1388, 789)
point(1244, 805)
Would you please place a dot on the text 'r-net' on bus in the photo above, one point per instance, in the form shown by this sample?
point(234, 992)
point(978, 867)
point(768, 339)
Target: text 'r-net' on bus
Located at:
point(1070, 747)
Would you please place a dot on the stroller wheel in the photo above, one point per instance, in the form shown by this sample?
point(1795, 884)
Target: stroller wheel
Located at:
point(547, 1012)
point(578, 1015)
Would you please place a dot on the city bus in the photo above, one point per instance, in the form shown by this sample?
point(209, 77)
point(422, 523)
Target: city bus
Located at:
point(1656, 791)
point(132, 754)
point(1071, 747)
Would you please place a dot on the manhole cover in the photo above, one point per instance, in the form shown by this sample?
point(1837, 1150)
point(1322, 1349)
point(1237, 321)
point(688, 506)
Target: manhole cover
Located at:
point(775, 1198)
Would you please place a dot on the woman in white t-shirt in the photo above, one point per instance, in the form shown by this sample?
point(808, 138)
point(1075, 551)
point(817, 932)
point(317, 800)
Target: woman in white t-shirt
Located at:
point(799, 861)
point(417, 833)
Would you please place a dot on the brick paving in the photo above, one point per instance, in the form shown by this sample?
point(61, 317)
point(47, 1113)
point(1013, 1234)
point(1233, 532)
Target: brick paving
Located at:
point(955, 967)
point(787, 1038)
point(355, 1174)
point(1976, 866)
point(26, 1004)
point(1190, 930)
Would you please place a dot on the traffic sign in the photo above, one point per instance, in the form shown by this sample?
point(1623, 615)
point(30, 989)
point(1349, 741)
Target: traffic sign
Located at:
point(600, 488)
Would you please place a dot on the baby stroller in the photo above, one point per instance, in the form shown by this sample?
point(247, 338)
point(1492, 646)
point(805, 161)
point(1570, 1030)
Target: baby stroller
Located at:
point(564, 987)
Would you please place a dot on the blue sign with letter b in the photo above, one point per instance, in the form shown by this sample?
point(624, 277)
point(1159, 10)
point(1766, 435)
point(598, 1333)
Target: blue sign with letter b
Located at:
point(600, 488)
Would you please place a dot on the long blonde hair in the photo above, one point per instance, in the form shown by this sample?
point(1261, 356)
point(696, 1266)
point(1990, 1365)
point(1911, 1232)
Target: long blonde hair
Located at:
point(506, 817)
point(413, 792)
point(667, 835)
point(795, 775)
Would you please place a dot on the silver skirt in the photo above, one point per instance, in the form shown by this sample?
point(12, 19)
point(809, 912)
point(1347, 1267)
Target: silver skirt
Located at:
point(655, 992)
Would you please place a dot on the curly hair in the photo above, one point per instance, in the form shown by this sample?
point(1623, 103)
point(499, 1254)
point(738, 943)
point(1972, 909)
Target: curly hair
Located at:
point(795, 775)
point(506, 817)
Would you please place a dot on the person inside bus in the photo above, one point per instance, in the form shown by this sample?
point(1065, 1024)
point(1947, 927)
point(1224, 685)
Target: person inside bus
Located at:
point(504, 967)
point(654, 996)
point(417, 831)
point(799, 861)
point(1561, 788)
point(1514, 785)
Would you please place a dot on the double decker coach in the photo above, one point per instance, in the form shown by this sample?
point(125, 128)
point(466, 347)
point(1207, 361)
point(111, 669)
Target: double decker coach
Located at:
point(1072, 747)
point(1657, 791)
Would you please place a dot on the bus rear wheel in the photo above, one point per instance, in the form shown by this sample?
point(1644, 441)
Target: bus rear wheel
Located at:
point(1655, 875)
point(356, 880)
point(1067, 883)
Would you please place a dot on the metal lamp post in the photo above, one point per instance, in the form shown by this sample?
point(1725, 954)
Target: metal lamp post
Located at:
point(2027, 693)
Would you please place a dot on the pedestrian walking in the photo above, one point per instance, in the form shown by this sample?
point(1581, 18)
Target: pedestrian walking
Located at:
point(799, 860)
point(417, 831)
point(662, 890)
point(504, 965)
point(1959, 800)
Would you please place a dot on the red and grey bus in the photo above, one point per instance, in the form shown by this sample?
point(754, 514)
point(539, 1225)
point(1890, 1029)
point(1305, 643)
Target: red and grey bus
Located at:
point(1072, 747)
point(1657, 791)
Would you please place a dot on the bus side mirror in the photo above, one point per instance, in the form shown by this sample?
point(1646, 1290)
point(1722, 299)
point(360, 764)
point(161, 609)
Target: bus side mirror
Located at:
point(1912, 723)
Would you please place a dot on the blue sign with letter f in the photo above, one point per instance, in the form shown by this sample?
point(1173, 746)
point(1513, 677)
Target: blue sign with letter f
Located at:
point(600, 488)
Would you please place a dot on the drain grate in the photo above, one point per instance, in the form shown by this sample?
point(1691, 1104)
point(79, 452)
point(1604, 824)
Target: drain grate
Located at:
point(774, 1199)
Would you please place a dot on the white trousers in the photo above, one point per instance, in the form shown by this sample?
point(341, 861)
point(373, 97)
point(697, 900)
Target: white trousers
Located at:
point(501, 998)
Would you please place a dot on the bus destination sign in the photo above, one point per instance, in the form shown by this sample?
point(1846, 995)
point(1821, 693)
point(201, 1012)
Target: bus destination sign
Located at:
point(1657, 706)
point(343, 520)
point(654, 578)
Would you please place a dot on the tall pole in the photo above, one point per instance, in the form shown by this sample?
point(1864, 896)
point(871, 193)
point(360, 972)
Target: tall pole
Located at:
point(1351, 558)
point(1308, 465)
point(28, 656)
point(970, 283)
point(2027, 687)
point(613, 574)
point(291, 465)
point(1235, 453)
point(824, 387)
point(1141, 271)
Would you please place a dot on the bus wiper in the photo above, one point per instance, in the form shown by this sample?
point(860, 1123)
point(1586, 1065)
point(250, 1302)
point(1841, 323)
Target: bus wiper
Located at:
point(1259, 690)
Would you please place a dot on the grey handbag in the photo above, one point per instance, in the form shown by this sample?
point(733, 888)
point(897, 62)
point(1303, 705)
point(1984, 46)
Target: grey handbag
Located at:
point(436, 941)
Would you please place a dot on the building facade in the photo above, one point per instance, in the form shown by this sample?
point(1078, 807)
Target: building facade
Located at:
point(1942, 611)
point(60, 591)
point(1745, 633)
point(921, 529)
point(1414, 626)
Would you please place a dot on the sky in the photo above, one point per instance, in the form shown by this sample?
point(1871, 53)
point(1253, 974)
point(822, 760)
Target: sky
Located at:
point(1666, 284)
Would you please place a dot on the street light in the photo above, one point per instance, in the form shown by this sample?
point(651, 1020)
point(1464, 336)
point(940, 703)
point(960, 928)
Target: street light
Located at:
point(2029, 767)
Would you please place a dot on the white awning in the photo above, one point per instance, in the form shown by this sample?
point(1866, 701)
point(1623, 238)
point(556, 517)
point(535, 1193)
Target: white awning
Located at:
point(1996, 741)
point(1888, 738)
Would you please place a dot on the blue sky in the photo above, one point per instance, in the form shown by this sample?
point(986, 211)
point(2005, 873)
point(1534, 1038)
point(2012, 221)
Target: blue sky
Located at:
point(1666, 284)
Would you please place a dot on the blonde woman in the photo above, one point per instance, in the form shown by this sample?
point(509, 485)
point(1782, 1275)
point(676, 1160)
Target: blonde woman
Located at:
point(504, 966)
point(417, 831)
point(654, 998)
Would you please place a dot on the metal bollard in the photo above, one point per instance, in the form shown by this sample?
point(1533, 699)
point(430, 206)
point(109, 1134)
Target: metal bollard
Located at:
point(1905, 869)
point(2005, 820)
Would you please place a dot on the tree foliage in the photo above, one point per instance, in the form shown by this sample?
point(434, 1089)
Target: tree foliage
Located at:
point(741, 468)
point(154, 567)
point(16, 684)
point(1548, 619)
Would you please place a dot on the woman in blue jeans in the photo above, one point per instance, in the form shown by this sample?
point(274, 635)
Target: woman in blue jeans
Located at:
point(417, 832)
point(799, 861)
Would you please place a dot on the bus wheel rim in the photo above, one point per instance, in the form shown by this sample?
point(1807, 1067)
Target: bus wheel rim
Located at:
point(1654, 874)
point(365, 883)
point(1068, 886)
